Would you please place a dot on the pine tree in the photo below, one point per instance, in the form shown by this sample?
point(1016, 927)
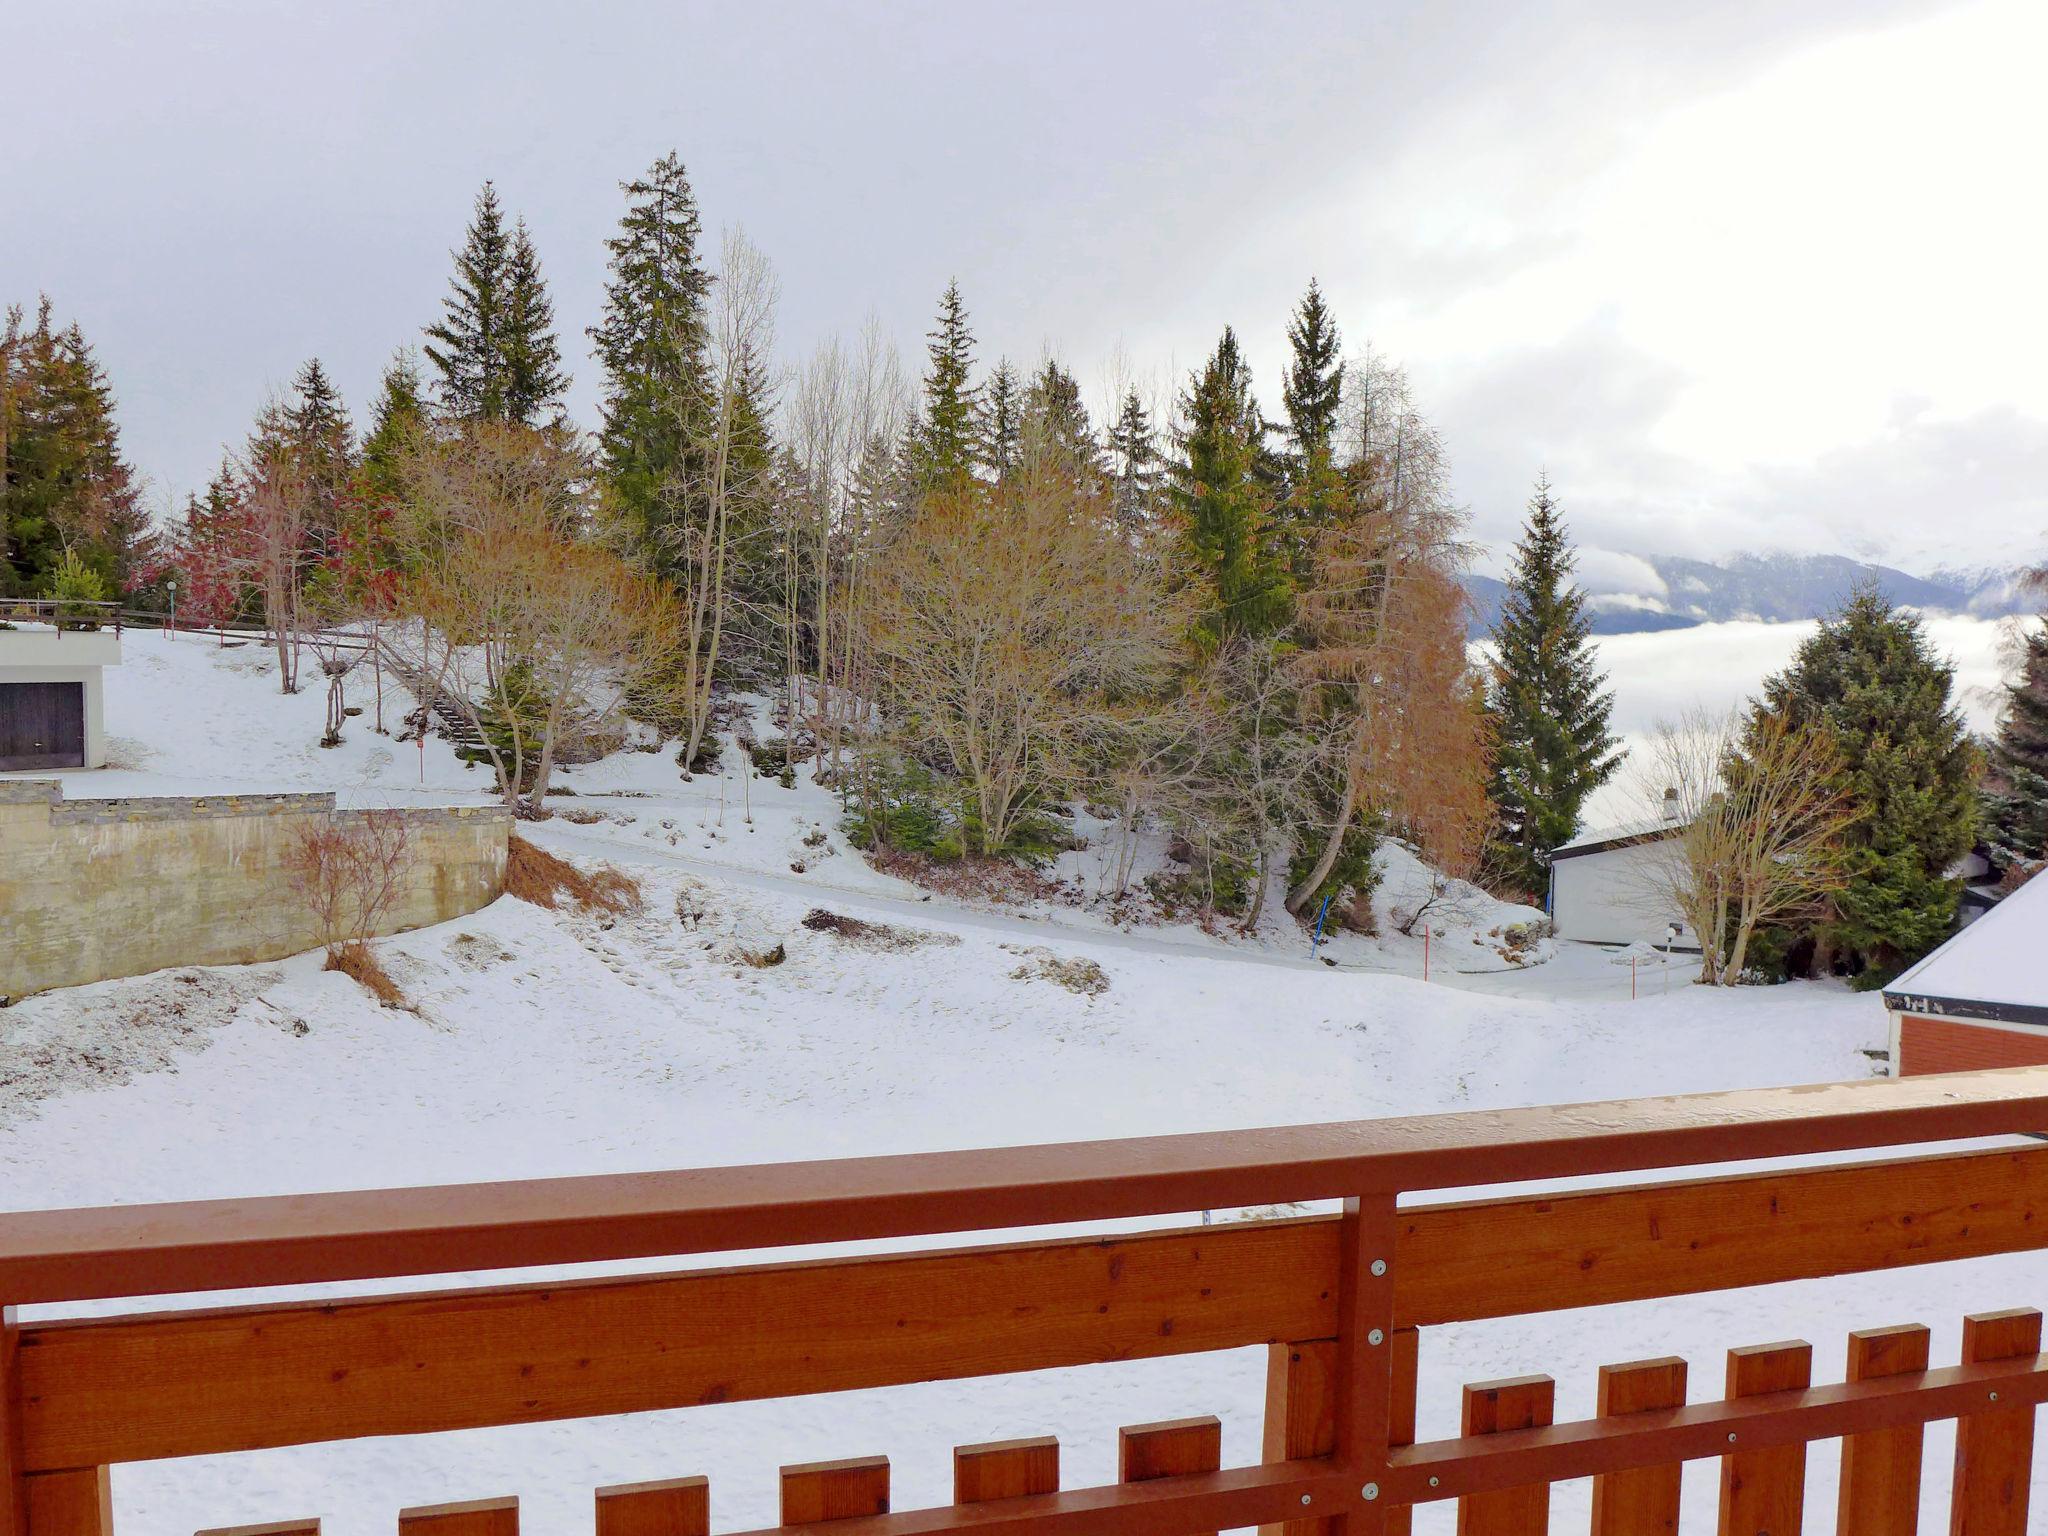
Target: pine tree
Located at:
point(64, 486)
point(942, 443)
point(1871, 678)
point(653, 344)
point(2015, 809)
point(534, 380)
point(1001, 412)
point(467, 347)
point(396, 424)
point(1548, 701)
point(1134, 466)
point(1222, 494)
point(1314, 387)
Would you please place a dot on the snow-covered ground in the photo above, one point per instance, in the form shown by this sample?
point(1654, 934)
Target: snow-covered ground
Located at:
point(551, 1044)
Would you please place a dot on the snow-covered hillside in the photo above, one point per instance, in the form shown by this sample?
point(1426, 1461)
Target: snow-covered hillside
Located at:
point(552, 1044)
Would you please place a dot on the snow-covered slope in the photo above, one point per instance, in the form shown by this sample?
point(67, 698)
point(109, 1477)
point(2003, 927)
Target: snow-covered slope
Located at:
point(549, 1044)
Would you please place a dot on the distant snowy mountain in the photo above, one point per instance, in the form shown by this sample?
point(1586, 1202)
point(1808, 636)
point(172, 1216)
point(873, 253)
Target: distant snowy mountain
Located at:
point(1675, 592)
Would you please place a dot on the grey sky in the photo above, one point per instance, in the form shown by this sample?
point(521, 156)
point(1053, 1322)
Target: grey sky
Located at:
point(1740, 275)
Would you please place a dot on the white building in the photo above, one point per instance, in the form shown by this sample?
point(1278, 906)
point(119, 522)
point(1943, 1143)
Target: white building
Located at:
point(51, 711)
point(1604, 887)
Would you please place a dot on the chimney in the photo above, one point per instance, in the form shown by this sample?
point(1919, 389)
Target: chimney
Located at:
point(1670, 805)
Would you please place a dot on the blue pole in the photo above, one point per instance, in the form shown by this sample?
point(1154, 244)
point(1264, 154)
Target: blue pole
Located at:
point(1321, 912)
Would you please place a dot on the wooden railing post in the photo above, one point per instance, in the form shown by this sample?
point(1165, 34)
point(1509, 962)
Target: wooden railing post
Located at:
point(13, 1477)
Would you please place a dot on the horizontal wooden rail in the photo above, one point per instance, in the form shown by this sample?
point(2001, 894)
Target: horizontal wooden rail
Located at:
point(212, 1245)
point(1446, 1469)
point(180, 1383)
point(1165, 1506)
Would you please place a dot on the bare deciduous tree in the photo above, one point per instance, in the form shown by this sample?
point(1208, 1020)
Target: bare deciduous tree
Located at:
point(716, 477)
point(348, 872)
point(532, 632)
point(277, 502)
point(1761, 812)
point(1013, 631)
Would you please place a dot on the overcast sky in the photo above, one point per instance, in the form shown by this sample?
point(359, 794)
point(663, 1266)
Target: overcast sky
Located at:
point(1741, 275)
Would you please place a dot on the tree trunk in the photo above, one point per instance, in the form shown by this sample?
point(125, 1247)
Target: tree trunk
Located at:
point(1251, 921)
point(1327, 860)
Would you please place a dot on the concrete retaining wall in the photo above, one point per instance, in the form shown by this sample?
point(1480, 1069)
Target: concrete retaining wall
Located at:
point(93, 889)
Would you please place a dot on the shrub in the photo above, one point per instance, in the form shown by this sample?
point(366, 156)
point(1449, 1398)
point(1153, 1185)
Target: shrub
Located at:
point(904, 807)
point(348, 873)
point(76, 585)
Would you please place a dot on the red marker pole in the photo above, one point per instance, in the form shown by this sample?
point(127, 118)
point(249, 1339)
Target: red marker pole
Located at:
point(423, 754)
point(1631, 978)
point(1425, 952)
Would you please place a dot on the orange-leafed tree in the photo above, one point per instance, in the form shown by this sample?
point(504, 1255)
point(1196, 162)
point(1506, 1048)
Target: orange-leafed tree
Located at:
point(1387, 679)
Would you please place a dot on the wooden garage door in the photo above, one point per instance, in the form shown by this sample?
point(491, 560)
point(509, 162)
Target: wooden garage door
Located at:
point(42, 725)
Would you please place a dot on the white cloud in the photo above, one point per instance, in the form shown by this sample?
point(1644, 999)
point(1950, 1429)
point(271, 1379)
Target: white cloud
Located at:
point(1612, 572)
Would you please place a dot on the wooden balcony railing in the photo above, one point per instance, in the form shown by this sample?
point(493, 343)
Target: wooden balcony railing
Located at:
point(1338, 1299)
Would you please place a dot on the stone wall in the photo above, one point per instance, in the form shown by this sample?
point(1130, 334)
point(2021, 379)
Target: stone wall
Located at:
point(93, 889)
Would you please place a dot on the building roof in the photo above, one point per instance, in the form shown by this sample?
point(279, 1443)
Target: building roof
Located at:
point(1993, 969)
point(1599, 839)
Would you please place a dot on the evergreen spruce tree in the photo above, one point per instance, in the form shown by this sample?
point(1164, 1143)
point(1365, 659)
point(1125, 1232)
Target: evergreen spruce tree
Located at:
point(1314, 386)
point(2015, 808)
point(1222, 494)
point(1134, 466)
point(1312, 392)
point(653, 345)
point(1871, 679)
point(1548, 700)
point(317, 427)
point(534, 380)
point(396, 424)
point(64, 485)
point(942, 442)
point(1001, 412)
point(1057, 430)
point(468, 346)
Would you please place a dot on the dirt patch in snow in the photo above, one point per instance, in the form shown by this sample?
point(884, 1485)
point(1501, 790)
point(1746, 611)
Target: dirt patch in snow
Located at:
point(1077, 973)
point(862, 934)
point(115, 1030)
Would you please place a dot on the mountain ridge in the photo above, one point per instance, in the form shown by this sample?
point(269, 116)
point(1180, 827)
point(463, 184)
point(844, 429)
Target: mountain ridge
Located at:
point(1640, 594)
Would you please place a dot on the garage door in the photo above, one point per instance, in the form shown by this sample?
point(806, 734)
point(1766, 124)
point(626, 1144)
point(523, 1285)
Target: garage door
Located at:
point(42, 725)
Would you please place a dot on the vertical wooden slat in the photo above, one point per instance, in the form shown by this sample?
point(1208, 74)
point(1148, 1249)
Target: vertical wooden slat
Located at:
point(835, 1490)
point(1401, 1415)
point(1995, 1450)
point(1521, 1402)
point(676, 1506)
point(1880, 1489)
point(477, 1517)
point(1301, 1416)
point(1005, 1469)
point(79, 1503)
point(1170, 1448)
point(275, 1528)
point(1763, 1493)
point(1644, 1500)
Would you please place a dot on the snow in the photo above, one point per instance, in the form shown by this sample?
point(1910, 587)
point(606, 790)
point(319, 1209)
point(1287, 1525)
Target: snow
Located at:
point(549, 1044)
